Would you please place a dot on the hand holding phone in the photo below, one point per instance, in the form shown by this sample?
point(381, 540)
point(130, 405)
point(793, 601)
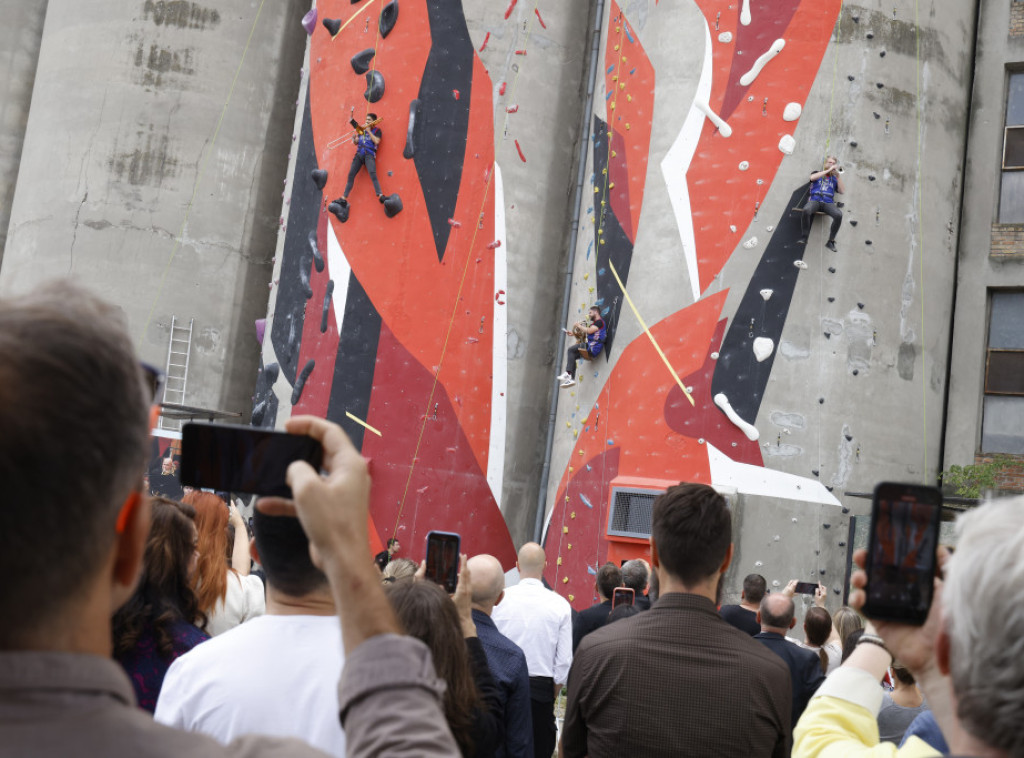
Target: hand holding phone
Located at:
point(806, 588)
point(622, 596)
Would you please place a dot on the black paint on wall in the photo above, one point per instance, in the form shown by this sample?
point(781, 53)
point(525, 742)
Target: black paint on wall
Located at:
point(442, 123)
point(738, 373)
point(356, 361)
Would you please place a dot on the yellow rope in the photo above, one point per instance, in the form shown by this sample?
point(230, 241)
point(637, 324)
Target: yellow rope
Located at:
point(199, 176)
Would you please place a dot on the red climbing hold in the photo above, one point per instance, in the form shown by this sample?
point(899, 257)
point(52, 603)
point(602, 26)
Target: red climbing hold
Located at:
point(508, 11)
point(521, 156)
point(512, 109)
point(494, 245)
point(498, 297)
point(537, 11)
point(487, 38)
point(521, 52)
point(455, 94)
point(454, 224)
point(501, 89)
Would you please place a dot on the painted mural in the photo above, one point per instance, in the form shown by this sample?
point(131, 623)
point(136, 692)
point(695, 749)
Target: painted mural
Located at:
point(680, 401)
point(389, 310)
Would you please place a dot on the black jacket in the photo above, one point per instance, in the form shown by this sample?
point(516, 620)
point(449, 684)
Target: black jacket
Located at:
point(804, 668)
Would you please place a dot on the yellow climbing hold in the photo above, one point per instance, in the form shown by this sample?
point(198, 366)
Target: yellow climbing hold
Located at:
point(613, 105)
point(627, 126)
point(616, 47)
point(586, 275)
point(611, 186)
point(565, 580)
point(572, 515)
point(571, 598)
point(613, 153)
point(559, 561)
point(565, 530)
point(629, 98)
point(569, 546)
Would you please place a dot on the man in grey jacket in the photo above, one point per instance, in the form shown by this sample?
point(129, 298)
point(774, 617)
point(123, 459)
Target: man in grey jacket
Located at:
point(73, 524)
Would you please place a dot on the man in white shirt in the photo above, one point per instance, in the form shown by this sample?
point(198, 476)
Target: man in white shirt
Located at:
point(540, 622)
point(276, 674)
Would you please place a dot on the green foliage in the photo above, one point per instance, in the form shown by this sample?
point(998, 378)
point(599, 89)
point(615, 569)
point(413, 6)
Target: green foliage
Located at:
point(978, 478)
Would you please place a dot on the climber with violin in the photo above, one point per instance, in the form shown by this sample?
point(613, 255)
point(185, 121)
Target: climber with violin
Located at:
point(824, 186)
point(366, 137)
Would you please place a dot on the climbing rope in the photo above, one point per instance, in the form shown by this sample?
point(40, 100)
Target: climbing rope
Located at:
point(920, 235)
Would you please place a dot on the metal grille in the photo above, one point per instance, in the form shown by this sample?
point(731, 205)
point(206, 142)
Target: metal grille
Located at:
point(632, 510)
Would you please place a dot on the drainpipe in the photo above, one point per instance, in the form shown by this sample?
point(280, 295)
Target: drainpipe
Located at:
point(585, 124)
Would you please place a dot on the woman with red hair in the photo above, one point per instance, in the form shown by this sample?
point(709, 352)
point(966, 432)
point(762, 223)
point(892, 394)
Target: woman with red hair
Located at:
point(227, 593)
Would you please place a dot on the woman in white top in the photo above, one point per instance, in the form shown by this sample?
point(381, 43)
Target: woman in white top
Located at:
point(227, 593)
point(818, 637)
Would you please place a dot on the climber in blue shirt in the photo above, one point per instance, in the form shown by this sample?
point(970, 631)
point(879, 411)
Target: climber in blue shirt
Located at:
point(366, 138)
point(824, 186)
point(591, 335)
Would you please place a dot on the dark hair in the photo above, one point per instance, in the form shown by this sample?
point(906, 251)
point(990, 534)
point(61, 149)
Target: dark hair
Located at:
point(692, 531)
point(392, 541)
point(902, 673)
point(372, 116)
point(164, 595)
point(609, 576)
point(634, 576)
point(818, 627)
point(622, 612)
point(427, 613)
point(595, 308)
point(851, 642)
point(73, 446)
point(284, 554)
point(754, 587)
point(654, 588)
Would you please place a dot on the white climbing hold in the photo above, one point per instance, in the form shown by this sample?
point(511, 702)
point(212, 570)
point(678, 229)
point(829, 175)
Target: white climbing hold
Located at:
point(751, 243)
point(787, 144)
point(748, 78)
point(725, 37)
point(799, 264)
point(767, 293)
point(758, 564)
point(732, 228)
point(769, 228)
point(745, 13)
point(748, 429)
point(723, 128)
point(763, 347)
point(744, 165)
point(700, 441)
point(714, 356)
point(792, 111)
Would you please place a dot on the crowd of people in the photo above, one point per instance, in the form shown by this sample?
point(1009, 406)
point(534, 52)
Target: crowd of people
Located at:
point(141, 626)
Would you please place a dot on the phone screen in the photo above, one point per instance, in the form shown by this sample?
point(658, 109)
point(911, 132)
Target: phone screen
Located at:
point(622, 596)
point(901, 552)
point(443, 559)
point(806, 588)
point(243, 458)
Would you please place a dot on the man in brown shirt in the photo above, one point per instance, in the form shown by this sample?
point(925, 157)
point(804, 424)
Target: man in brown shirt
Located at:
point(74, 521)
point(678, 680)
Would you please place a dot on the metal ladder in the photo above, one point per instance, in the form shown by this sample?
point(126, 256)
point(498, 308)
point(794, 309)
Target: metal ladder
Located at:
point(179, 350)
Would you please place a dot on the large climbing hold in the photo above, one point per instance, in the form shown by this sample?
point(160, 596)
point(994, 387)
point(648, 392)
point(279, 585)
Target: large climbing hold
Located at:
point(361, 60)
point(374, 86)
point(319, 177)
point(388, 17)
point(340, 209)
point(410, 143)
point(392, 205)
point(309, 21)
point(333, 25)
point(300, 383)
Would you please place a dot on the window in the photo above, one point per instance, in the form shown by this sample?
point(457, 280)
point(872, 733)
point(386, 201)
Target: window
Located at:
point(1011, 194)
point(1002, 429)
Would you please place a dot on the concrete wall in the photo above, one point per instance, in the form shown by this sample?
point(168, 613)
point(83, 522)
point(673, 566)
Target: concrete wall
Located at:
point(851, 386)
point(130, 182)
point(991, 255)
point(20, 37)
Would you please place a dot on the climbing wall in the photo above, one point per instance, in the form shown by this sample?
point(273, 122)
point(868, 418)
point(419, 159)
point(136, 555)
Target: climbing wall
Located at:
point(742, 353)
point(392, 318)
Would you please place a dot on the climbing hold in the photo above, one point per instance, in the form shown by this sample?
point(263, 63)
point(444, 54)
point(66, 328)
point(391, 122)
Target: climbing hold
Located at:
point(870, 35)
point(814, 471)
point(879, 85)
point(853, 143)
point(494, 245)
point(826, 526)
point(361, 61)
point(845, 509)
point(831, 269)
point(374, 86)
point(744, 165)
point(867, 242)
point(787, 144)
point(849, 437)
point(853, 222)
point(763, 347)
point(748, 78)
point(309, 21)
point(388, 17)
point(850, 77)
point(751, 243)
point(855, 372)
point(714, 356)
point(821, 401)
point(565, 530)
point(766, 293)
point(521, 156)
point(860, 305)
point(326, 311)
point(876, 115)
point(300, 382)
point(725, 37)
point(791, 112)
point(828, 335)
point(871, 177)
point(769, 228)
point(319, 177)
point(318, 258)
point(732, 228)
point(722, 401)
point(455, 94)
point(831, 299)
point(392, 205)
point(881, 54)
point(565, 580)
point(800, 264)
point(261, 328)
point(333, 25)
point(340, 209)
point(410, 144)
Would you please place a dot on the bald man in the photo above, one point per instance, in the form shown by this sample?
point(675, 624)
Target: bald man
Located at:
point(776, 617)
point(505, 659)
point(540, 622)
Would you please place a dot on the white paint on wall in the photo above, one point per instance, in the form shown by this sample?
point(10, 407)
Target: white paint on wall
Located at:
point(766, 482)
point(499, 347)
point(339, 270)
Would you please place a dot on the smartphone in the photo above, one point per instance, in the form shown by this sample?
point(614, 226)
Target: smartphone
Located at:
point(623, 596)
point(443, 559)
point(243, 458)
point(901, 552)
point(806, 588)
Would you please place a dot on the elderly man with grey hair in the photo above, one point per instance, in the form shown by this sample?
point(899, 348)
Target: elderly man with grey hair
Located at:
point(968, 656)
point(776, 617)
point(635, 574)
point(504, 658)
